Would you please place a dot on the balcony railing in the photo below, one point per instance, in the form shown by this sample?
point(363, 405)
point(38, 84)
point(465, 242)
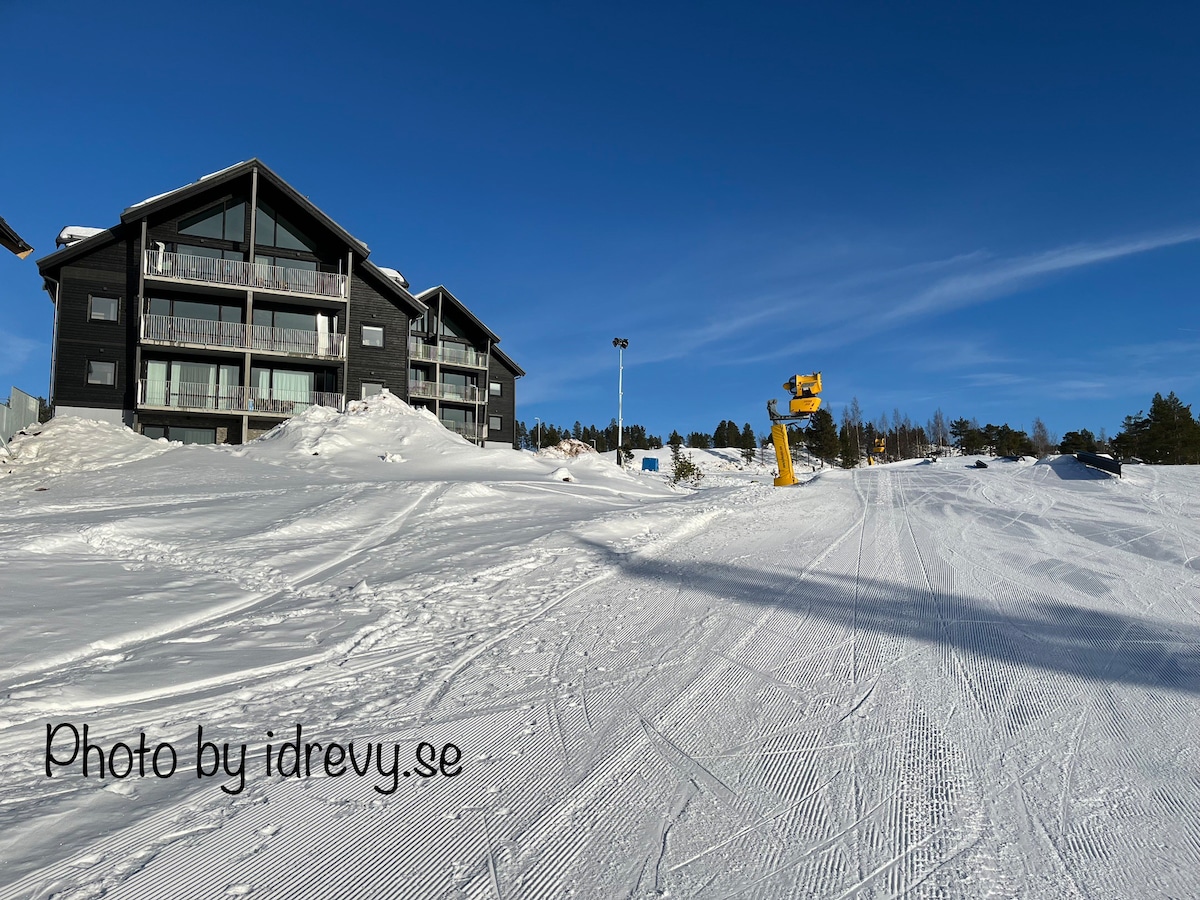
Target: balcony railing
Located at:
point(239, 336)
point(238, 273)
point(436, 390)
point(469, 430)
point(450, 355)
point(236, 398)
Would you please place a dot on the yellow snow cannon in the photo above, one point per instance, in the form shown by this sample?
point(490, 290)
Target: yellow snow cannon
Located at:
point(878, 450)
point(804, 390)
point(805, 402)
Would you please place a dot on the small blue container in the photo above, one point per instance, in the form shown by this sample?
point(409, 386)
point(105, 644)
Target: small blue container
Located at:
point(649, 464)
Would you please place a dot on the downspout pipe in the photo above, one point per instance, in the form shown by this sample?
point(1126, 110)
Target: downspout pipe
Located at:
point(54, 340)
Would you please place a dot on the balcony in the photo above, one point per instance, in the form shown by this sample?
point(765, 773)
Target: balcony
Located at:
point(449, 355)
point(180, 332)
point(189, 397)
point(469, 430)
point(240, 274)
point(436, 390)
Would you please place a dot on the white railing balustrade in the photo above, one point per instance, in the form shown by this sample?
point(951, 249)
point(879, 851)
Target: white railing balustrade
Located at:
point(422, 351)
point(458, 357)
point(439, 391)
point(450, 355)
point(233, 398)
point(239, 273)
point(469, 430)
point(296, 340)
point(284, 402)
point(239, 336)
point(177, 330)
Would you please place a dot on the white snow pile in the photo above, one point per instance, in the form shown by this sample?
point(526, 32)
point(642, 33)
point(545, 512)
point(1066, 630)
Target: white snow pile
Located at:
point(379, 426)
point(567, 449)
point(383, 429)
point(70, 444)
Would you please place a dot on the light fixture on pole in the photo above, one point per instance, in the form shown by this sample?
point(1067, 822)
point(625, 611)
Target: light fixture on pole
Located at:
point(621, 344)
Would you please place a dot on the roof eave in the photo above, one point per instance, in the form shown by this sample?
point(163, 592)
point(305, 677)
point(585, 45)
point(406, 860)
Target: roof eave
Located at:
point(12, 241)
point(491, 335)
point(79, 248)
point(135, 213)
point(508, 361)
point(415, 306)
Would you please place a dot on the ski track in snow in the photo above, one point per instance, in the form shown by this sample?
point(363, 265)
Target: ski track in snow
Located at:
point(902, 681)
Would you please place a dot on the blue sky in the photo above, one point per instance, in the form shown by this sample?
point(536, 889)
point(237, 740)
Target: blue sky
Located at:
point(987, 208)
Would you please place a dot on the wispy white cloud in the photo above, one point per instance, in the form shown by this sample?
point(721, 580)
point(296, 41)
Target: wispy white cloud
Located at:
point(1005, 276)
point(16, 351)
point(896, 297)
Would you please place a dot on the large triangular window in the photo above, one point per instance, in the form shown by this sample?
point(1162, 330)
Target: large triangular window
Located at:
point(225, 221)
point(273, 230)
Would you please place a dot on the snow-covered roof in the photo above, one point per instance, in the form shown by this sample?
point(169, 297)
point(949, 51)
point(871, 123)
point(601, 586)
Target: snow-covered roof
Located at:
point(394, 274)
point(73, 234)
point(216, 174)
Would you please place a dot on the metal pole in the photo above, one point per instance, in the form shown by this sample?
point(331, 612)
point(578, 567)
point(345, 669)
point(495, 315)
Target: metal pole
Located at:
point(537, 427)
point(620, 344)
point(620, 396)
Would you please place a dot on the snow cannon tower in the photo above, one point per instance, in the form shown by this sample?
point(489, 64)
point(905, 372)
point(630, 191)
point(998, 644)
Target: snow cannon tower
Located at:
point(805, 402)
point(879, 449)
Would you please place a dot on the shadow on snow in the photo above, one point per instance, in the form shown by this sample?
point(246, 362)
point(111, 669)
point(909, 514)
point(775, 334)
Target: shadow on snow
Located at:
point(1041, 633)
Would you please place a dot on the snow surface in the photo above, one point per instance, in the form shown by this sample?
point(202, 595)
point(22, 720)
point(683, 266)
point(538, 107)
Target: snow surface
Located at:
point(907, 679)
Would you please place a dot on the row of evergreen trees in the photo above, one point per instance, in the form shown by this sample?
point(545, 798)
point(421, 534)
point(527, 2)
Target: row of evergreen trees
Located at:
point(1168, 434)
point(536, 436)
point(727, 434)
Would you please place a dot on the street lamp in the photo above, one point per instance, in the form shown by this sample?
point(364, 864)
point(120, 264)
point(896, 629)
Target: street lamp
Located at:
point(538, 429)
point(621, 344)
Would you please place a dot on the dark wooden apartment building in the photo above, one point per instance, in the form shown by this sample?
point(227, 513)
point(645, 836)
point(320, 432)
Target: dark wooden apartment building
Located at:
point(214, 312)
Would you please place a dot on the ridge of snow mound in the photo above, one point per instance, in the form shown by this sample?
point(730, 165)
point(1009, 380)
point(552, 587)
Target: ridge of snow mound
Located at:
point(68, 444)
point(566, 449)
point(382, 425)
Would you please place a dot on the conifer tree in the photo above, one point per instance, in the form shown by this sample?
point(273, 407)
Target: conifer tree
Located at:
point(821, 437)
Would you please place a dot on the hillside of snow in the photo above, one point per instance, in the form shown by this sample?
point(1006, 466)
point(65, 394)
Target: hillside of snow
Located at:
point(562, 679)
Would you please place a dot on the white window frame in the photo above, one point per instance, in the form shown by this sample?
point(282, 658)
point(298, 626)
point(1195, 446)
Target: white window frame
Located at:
point(499, 420)
point(372, 328)
point(365, 384)
point(495, 388)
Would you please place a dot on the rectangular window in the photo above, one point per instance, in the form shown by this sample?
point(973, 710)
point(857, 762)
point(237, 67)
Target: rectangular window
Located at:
point(194, 435)
point(154, 431)
point(494, 423)
point(192, 309)
point(372, 336)
point(103, 309)
point(494, 388)
point(224, 221)
point(209, 252)
point(101, 372)
point(370, 389)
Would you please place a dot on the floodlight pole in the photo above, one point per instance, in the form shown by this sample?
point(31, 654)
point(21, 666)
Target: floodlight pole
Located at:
point(620, 344)
point(538, 431)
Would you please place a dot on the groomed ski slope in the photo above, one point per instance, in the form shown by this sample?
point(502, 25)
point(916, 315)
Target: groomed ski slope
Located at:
point(921, 680)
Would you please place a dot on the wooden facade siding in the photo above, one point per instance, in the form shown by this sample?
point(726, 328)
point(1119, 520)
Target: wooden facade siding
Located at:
point(504, 406)
point(386, 365)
